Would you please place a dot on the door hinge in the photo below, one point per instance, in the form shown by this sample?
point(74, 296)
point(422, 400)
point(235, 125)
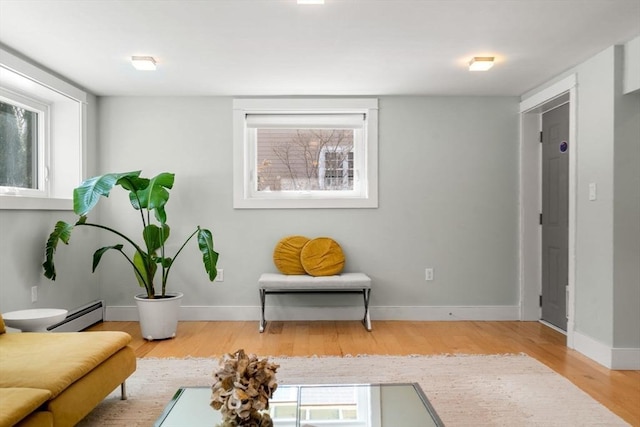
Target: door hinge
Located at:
point(540, 300)
point(540, 218)
point(541, 136)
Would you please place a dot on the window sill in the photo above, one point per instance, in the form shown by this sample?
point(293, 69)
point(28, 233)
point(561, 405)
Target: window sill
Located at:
point(35, 203)
point(304, 203)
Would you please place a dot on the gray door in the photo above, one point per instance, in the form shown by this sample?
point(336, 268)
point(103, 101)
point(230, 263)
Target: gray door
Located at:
point(555, 215)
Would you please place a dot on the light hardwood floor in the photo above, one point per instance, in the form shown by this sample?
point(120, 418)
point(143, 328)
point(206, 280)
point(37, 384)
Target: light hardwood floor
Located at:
point(617, 390)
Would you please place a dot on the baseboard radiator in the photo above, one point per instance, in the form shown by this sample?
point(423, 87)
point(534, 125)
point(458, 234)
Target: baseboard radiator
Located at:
point(80, 318)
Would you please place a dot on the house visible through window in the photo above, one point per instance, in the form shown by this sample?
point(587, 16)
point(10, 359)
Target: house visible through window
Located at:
point(304, 159)
point(305, 153)
point(336, 172)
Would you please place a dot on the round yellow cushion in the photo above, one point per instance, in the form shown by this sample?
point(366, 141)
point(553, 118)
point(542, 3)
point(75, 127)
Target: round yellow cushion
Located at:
point(286, 255)
point(322, 256)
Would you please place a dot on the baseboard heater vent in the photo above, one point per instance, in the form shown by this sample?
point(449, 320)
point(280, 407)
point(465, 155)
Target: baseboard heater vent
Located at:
point(80, 318)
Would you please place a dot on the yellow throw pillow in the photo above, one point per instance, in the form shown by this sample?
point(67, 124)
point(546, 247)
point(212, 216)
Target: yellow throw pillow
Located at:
point(322, 256)
point(286, 255)
point(2, 328)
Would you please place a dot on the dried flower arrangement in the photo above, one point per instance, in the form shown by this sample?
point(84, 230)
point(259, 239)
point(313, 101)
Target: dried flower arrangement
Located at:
point(242, 389)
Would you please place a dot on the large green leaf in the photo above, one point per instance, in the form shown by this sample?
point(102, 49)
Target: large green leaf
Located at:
point(155, 237)
point(87, 195)
point(61, 232)
point(155, 195)
point(133, 184)
point(209, 256)
point(142, 266)
point(97, 256)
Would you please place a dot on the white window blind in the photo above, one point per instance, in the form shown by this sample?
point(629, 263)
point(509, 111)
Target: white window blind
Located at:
point(305, 121)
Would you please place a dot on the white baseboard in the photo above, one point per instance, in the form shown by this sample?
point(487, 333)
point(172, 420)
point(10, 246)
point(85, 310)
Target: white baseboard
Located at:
point(609, 357)
point(248, 313)
point(625, 359)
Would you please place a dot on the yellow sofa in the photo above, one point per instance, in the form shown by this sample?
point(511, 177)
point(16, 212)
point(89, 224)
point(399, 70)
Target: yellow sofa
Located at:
point(56, 379)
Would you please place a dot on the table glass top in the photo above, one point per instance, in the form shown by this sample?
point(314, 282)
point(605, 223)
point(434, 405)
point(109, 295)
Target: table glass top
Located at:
point(361, 405)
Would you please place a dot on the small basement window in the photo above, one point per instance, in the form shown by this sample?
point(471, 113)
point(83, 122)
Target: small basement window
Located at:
point(305, 153)
point(42, 137)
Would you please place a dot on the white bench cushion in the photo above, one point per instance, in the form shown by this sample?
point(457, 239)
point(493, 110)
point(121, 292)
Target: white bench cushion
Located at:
point(339, 281)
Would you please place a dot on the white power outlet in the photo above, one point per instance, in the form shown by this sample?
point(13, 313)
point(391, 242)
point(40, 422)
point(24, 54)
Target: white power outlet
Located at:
point(34, 293)
point(220, 276)
point(428, 274)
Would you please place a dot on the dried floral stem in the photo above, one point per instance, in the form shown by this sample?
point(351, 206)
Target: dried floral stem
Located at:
point(242, 388)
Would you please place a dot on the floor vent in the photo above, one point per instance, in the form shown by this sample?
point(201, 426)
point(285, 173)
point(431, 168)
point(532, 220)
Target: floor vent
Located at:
point(80, 318)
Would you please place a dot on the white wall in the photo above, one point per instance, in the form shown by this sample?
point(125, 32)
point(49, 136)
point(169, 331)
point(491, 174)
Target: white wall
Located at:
point(459, 155)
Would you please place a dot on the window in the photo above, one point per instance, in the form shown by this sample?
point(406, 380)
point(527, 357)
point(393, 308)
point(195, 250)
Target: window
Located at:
point(305, 153)
point(22, 141)
point(42, 136)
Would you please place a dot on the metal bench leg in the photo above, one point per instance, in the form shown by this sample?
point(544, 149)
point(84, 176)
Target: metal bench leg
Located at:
point(263, 322)
point(367, 319)
point(123, 391)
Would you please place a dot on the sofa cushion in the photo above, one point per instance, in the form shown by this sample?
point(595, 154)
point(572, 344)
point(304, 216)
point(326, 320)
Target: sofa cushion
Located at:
point(18, 403)
point(2, 328)
point(53, 361)
point(82, 396)
point(37, 419)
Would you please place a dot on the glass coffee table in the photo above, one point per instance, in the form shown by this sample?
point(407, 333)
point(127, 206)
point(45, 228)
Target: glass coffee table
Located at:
point(360, 405)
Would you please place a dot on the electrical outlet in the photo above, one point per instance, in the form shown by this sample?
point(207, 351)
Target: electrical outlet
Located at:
point(428, 274)
point(34, 293)
point(220, 276)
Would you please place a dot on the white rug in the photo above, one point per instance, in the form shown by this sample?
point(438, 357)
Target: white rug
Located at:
point(499, 390)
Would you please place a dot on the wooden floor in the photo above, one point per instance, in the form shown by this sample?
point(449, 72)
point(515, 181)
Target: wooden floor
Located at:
point(617, 390)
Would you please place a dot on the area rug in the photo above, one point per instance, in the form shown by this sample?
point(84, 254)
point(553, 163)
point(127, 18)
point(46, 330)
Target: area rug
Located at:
point(494, 390)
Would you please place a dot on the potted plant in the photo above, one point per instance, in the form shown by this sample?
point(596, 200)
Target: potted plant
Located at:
point(146, 196)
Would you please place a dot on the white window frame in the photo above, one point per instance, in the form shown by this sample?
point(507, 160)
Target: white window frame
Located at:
point(244, 174)
point(42, 111)
point(62, 164)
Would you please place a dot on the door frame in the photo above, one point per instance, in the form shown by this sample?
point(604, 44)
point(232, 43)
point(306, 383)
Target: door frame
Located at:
point(530, 233)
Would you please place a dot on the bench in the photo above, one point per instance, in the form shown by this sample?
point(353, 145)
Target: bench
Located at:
point(346, 283)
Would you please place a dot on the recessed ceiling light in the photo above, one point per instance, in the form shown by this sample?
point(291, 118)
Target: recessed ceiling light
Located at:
point(145, 63)
point(310, 1)
point(481, 63)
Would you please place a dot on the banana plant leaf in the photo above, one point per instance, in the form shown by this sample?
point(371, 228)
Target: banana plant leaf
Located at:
point(61, 232)
point(209, 256)
point(87, 195)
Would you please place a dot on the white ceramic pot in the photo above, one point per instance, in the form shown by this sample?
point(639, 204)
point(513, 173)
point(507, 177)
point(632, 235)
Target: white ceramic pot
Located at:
point(159, 316)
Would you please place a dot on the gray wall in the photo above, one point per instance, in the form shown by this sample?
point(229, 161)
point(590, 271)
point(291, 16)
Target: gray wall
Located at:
point(626, 215)
point(448, 176)
point(607, 300)
point(608, 229)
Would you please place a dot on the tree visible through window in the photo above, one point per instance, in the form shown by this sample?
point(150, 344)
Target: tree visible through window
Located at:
point(305, 159)
point(18, 146)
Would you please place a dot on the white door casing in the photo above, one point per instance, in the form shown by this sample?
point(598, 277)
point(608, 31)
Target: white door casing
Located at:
point(531, 110)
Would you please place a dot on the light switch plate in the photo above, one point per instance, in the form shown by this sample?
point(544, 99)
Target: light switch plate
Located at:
point(593, 191)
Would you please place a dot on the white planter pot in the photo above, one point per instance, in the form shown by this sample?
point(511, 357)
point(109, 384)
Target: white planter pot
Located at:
point(159, 316)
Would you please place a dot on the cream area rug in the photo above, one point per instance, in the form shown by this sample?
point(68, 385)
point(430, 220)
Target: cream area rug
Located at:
point(494, 390)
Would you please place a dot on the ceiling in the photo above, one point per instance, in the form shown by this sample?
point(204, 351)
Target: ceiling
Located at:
point(344, 47)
